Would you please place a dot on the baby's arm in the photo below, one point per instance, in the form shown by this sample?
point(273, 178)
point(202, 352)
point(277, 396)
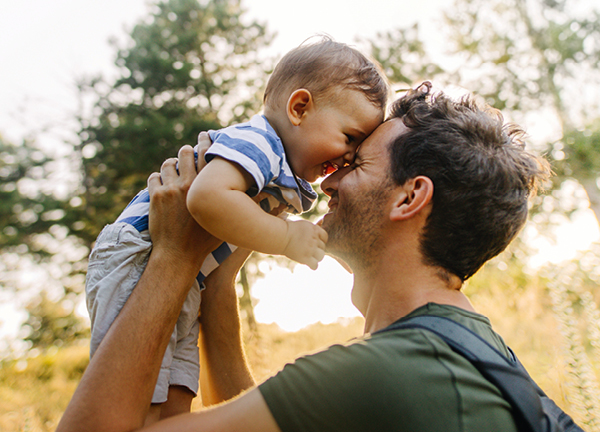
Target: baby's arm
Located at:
point(218, 202)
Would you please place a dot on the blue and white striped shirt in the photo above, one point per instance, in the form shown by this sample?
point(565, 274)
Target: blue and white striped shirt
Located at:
point(255, 147)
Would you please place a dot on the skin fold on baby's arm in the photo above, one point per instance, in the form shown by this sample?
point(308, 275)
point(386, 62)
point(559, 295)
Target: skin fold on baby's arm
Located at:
point(219, 203)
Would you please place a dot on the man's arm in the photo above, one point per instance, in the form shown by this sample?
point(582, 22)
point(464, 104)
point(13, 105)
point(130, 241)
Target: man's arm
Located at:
point(116, 389)
point(224, 371)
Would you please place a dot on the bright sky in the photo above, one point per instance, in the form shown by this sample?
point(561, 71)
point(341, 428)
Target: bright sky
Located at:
point(46, 45)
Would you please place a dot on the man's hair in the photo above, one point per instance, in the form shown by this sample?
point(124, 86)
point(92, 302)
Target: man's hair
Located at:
point(323, 66)
point(481, 172)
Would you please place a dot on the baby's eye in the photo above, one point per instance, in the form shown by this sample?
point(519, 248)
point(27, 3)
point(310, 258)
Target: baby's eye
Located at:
point(350, 138)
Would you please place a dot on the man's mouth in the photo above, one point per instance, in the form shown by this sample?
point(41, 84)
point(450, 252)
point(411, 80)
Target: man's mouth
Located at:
point(333, 202)
point(328, 168)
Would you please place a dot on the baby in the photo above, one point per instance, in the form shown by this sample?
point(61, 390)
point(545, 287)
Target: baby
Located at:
point(321, 101)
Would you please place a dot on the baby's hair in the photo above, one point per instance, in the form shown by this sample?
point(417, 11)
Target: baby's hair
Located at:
point(322, 67)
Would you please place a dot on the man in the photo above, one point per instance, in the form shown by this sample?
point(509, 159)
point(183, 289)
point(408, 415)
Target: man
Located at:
point(434, 192)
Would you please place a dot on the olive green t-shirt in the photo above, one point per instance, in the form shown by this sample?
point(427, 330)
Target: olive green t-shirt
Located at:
point(398, 380)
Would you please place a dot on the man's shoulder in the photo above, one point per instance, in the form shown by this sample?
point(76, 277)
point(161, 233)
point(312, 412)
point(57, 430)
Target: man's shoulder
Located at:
point(475, 322)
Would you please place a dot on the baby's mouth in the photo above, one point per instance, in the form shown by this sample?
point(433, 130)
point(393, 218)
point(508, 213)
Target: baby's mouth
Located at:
point(328, 168)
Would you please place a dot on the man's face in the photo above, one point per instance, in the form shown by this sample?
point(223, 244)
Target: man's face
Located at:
point(359, 201)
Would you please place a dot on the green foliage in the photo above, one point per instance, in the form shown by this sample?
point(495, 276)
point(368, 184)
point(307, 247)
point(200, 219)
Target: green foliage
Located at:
point(190, 66)
point(26, 208)
point(524, 55)
point(53, 323)
point(579, 152)
point(402, 54)
point(528, 55)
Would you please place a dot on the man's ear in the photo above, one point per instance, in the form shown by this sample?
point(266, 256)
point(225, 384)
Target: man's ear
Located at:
point(412, 197)
point(299, 102)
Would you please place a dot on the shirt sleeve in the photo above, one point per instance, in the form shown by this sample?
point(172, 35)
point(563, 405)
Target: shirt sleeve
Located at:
point(256, 151)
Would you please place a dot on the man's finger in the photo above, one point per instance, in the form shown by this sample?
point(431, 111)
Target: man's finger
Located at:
point(168, 164)
point(154, 181)
point(204, 143)
point(186, 164)
point(168, 169)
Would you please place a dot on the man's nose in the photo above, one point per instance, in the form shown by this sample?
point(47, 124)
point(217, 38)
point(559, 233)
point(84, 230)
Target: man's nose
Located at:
point(330, 183)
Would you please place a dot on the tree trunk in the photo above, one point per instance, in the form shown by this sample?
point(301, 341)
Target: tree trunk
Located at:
point(593, 193)
point(246, 305)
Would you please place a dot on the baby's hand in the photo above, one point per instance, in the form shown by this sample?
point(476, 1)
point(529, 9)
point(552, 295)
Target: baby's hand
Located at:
point(305, 243)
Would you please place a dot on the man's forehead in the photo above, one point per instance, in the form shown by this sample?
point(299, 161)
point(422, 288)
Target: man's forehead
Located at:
point(381, 137)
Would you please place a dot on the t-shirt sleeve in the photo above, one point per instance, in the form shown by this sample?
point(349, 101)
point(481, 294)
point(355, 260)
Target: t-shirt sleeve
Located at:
point(256, 151)
point(405, 385)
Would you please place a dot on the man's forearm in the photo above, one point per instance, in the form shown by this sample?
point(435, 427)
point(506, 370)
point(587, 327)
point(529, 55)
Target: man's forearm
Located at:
point(225, 372)
point(116, 390)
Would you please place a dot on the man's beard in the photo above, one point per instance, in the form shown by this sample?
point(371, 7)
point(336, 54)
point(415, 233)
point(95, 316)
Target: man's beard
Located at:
point(356, 232)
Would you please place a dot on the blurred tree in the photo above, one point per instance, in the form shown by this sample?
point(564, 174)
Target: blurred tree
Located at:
point(403, 56)
point(27, 207)
point(189, 66)
point(50, 323)
point(32, 213)
point(538, 57)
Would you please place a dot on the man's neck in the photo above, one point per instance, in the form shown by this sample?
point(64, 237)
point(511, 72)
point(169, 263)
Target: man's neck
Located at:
point(386, 296)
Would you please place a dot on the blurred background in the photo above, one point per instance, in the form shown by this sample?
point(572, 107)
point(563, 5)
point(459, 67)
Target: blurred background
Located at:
point(95, 95)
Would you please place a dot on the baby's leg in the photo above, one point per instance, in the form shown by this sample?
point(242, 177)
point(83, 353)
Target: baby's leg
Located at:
point(179, 401)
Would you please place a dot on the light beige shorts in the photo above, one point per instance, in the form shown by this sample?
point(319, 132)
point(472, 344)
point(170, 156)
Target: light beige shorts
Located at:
point(116, 264)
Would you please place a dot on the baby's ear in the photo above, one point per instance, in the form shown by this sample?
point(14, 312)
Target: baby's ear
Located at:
point(299, 102)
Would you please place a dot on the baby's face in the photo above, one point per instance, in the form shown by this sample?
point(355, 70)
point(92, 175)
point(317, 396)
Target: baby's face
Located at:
point(331, 134)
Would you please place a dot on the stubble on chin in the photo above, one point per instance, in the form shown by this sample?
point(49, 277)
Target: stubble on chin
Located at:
point(355, 231)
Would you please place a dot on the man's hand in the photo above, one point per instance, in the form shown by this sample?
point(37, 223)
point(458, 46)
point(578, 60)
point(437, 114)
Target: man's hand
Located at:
point(305, 243)
point(172, 228)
